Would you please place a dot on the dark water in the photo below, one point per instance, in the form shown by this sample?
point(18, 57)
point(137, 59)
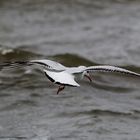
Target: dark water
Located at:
point(74, 32)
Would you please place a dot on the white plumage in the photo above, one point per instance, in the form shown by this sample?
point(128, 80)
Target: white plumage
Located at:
point(62, 78)
point(65, 76)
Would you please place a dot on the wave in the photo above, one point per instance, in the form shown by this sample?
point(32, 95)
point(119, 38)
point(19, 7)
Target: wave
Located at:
point(96, 112)
point(10, 55)
point(13, 75)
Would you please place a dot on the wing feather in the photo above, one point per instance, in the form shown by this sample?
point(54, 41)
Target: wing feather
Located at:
point(107, 68)
point(49, 64)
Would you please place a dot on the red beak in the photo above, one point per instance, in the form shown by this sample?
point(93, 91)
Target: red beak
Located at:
point(88, 76)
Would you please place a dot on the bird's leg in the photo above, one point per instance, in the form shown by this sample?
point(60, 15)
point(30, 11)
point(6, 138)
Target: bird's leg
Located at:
point(61, 87)
point(87, 75)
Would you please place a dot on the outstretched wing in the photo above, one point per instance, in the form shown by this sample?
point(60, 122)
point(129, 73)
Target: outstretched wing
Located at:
point(49, 64)
point(106, 68)
point(41, 64)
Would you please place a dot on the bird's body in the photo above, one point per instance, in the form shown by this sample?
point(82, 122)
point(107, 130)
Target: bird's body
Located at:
point(65, 76)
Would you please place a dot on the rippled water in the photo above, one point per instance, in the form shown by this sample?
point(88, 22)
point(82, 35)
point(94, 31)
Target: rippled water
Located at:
point(75, 32)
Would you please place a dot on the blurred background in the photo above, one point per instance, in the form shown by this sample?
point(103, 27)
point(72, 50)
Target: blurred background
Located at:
point(73, 32)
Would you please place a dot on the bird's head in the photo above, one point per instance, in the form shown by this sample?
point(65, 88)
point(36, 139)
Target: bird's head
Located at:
point(85, 73)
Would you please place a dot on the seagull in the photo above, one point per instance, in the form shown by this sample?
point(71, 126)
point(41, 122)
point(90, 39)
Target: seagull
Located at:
point(65, 76)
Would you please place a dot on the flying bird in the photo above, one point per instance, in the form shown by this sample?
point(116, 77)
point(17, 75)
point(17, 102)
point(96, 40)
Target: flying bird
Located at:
point(65, 76)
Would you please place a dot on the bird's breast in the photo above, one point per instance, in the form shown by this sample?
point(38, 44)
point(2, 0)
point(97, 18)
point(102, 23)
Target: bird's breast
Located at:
point(62, 78)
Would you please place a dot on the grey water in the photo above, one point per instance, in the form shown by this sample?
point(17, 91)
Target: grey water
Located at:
point(72, 32)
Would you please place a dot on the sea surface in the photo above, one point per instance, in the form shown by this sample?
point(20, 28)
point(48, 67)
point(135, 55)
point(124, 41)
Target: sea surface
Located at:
point(72, 32)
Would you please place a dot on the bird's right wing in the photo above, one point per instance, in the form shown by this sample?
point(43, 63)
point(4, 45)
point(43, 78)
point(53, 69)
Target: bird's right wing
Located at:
point(107, 68)
point(48, 64)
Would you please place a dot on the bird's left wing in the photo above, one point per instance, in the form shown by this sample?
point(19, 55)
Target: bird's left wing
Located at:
point(107, 68)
